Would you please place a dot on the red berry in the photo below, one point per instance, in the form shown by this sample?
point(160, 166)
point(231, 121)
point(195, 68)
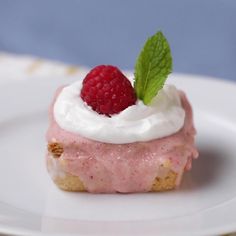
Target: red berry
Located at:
point(107, 90)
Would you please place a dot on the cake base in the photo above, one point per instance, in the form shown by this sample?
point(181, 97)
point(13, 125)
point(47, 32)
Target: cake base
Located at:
point(72, 183)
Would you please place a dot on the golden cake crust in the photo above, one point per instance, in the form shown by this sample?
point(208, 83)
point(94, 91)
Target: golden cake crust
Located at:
point(69, 183)
point(166, 183)
point(55, 149)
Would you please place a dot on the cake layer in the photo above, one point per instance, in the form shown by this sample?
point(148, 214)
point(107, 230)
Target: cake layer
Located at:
point(72, 183)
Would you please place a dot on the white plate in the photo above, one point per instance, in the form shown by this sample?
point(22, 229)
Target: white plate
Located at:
point(31, 204)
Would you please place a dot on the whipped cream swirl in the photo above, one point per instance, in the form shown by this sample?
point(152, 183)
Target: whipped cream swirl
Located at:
point(137, 123)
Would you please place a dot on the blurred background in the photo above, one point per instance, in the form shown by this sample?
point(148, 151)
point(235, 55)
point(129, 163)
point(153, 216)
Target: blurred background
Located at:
point(202, 33)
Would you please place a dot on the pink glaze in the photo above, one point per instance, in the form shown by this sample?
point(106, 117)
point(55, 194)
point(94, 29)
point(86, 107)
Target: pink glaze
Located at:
point(132, 167)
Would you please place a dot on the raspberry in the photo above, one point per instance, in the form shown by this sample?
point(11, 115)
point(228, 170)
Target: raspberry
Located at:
point(107, 90)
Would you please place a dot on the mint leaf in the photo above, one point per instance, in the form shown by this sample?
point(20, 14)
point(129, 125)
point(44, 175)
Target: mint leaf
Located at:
point(152, 67)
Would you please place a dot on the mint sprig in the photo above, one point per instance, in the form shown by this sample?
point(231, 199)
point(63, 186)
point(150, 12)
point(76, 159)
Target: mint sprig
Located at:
point(153, 65)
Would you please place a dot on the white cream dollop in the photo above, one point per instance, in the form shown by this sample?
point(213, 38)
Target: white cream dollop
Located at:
point(137, 123)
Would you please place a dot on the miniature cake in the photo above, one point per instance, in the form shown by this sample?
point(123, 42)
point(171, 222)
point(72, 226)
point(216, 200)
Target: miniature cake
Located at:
point(110, 134)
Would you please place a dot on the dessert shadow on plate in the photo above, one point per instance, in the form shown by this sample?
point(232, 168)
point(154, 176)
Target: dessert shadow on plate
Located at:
point(205, 170)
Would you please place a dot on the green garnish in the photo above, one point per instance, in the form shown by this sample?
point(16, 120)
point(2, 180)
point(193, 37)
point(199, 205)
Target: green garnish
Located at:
point(152, 67)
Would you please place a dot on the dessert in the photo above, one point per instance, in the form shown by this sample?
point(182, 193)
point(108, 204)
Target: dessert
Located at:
point(110, 134)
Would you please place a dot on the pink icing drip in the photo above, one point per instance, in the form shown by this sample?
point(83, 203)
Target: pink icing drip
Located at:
point(132, 167)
